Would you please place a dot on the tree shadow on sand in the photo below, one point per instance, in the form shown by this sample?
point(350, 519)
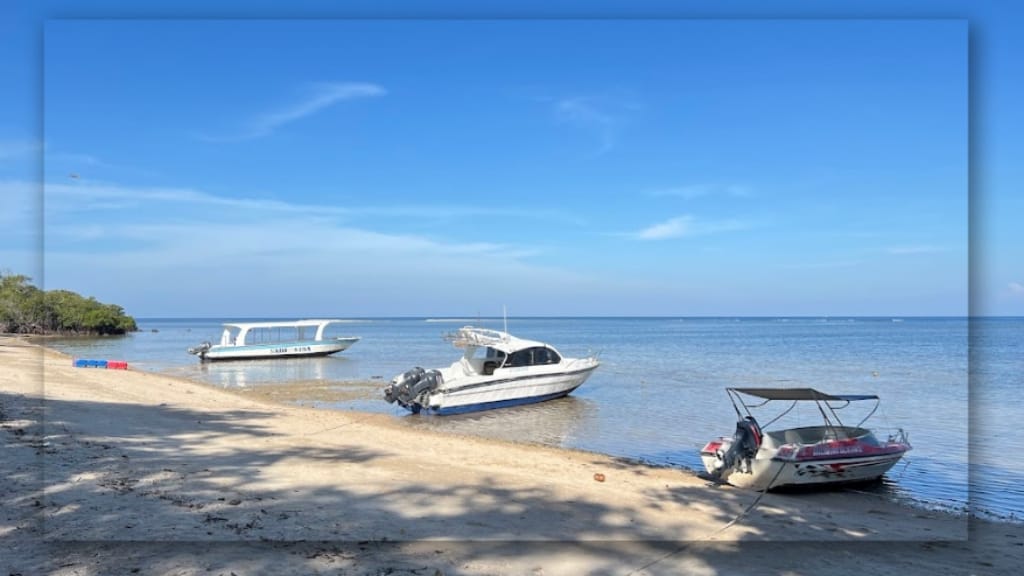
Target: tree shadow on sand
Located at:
point(142, 496)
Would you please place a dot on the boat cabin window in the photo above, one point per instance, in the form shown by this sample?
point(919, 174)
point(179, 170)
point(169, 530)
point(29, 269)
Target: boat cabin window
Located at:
point(493, 359)
point(553, 357)
point(533, 357)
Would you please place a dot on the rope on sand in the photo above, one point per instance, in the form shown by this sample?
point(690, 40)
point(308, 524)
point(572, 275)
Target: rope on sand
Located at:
point(711, 536)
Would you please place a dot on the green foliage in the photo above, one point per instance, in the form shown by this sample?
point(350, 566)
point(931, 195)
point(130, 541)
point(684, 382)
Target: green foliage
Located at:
point(25, 309)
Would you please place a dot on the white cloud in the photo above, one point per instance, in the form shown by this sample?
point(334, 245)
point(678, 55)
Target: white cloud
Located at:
point(86, 197)
point(173, 225)
point(674, 228)
point(602, 117)
point(70, 197)
point(914, 249)
point(83, 167)
point(686, 225)
point(583, 114)
point(286, 264)
point(323, 96)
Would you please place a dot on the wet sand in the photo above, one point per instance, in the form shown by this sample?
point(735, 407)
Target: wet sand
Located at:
point(111, 472)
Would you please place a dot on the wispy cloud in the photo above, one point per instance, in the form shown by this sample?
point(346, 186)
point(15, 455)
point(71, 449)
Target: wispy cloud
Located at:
point(196, 220)
point(83, 196)
point(824, 264)
point(448, 212)
point(685, 226)
point(86, 197)
point(1017, 288)
point(698, 190)
point(18, 149)
point(602, 117)
point(914, 249)
point(322, 96)
point(88, 166)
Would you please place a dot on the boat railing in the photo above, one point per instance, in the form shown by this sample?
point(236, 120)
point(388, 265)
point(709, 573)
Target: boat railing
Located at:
point(899, 437)
point(472, 336)
point(574, 361)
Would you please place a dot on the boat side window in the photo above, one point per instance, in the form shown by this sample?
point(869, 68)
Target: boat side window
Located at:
point(533, 357)
point(519, 358)
point(540, 356)
point(493, 359)
point(495, 354)
point(553, 357)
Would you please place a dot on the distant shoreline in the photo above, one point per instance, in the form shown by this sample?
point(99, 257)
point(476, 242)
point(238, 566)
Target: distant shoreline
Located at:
point(435, 318)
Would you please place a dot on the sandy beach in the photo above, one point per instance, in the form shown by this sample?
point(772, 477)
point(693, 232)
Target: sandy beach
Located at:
point(125, 472)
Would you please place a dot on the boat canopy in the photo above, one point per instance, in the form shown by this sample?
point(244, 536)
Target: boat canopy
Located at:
point(801, 394)
point(245, 327)
point(281, 324)
point(471, 336)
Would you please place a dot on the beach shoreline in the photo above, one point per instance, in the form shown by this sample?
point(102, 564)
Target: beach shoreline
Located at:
point(122, 471)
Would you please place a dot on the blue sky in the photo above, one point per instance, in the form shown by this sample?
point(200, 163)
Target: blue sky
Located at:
point(366, 167)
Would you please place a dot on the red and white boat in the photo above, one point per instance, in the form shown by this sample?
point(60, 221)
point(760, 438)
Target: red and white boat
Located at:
point(830, 453)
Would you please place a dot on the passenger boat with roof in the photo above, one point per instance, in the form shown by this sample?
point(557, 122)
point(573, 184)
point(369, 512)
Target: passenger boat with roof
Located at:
point(280, 339)
point(496, 370)
point(830, 453)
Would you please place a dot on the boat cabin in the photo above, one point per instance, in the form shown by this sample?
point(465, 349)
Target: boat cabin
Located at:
point(487, 359)
point(256, 333)
point(488, 350)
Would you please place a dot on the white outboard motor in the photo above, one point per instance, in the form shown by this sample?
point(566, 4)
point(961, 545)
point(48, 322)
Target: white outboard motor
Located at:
point(200, 350)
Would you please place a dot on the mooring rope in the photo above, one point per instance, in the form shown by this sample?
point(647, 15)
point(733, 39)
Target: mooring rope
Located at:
point(711, 536)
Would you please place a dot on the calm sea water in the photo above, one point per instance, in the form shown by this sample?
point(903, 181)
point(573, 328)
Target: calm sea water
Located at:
point(658, 396)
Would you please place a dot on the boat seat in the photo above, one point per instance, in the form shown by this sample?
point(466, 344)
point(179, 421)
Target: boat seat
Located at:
point(489, 367)
point(794, 437)
point(771, 441)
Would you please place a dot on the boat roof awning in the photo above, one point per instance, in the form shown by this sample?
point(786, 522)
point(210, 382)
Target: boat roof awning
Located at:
point(282, 324)
point(470, 336)
point(800, 394)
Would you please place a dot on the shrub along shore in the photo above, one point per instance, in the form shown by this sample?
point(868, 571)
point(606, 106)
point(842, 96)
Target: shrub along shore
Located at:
point(25, 309)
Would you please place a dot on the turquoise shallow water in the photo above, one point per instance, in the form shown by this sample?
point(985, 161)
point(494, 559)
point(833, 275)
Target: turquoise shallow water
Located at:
point(951, 383)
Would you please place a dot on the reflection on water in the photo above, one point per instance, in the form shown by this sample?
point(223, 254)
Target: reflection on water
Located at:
point(243, 373)
point(553, 423)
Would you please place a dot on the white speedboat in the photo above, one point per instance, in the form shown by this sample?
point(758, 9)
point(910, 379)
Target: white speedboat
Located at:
point(829, 453)
point(288, 339)
point(496, 370)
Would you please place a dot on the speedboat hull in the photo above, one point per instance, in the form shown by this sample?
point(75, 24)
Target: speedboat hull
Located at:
point(278, 350)
point(791, 465)
point(475, 394)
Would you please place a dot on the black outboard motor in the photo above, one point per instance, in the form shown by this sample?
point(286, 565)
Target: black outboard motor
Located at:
point(429, 381)
point(745, 442)
point(411, 388)
point(400, 388)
